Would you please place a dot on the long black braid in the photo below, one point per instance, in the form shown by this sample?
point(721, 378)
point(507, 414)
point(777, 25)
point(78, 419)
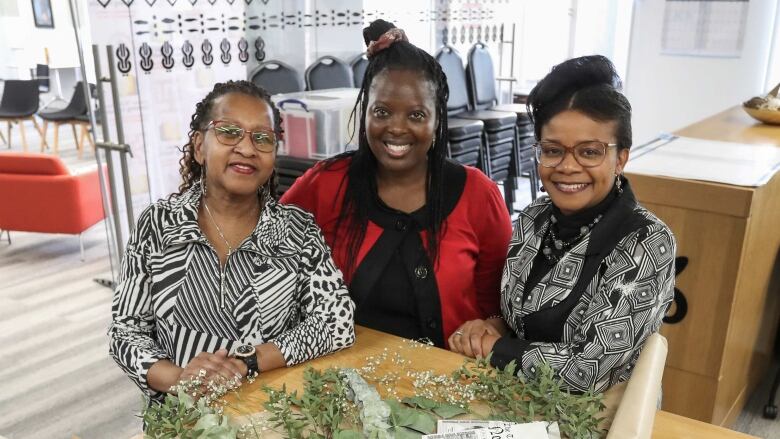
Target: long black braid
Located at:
point(189, 168)
point(361, 184)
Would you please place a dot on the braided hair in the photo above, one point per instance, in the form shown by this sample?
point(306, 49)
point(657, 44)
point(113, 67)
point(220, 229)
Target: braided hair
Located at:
point(189, 168)
point(361, 185)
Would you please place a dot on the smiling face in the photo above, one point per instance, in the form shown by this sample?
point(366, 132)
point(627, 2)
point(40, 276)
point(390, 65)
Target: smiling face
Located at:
point(401, 121)
point(237, 170)
point(571, 186)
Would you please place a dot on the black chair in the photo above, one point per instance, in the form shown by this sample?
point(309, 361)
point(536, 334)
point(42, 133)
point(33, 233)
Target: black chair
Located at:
point(289, 168)
point(328, 72)
point(19, 104)
point(277, 77)
point(75, 114)
point(499, 135)
point(359, 65)
point(42, 76)
point(482, 96)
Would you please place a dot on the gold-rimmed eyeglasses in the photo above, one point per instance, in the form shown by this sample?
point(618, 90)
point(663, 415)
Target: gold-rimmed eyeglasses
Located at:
point(588, 154)
point(230, 134)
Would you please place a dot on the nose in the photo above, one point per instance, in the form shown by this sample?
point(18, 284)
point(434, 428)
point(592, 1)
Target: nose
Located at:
point(245, 147)
point(569, 164)
point(397, 125)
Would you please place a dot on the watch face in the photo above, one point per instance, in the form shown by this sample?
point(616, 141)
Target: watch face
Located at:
point(245, 350)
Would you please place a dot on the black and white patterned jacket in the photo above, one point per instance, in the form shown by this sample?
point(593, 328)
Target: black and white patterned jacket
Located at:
point(591, 314)
point(280, 286)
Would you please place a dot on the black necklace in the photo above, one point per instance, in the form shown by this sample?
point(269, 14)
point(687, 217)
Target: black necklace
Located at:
point(553, 247)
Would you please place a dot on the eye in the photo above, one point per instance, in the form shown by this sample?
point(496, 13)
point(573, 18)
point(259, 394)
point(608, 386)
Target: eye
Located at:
point(417, 116)
point(380, 112)
point(229, 131)
point(552, 150)
point(263, 138)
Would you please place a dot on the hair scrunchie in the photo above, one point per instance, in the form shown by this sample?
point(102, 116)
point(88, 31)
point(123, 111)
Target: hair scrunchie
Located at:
point(386, 40)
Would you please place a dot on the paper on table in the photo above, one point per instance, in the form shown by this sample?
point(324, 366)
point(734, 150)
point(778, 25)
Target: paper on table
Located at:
point(708, 160)
point(477, 429)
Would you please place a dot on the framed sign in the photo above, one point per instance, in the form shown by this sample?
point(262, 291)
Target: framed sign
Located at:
point(42, 13)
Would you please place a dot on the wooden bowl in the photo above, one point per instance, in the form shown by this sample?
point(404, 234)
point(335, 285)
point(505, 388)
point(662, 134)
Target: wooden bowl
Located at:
point(764, 115)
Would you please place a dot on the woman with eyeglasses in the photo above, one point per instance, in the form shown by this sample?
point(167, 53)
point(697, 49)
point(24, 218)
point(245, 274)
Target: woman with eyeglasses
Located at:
point(219, 281)
point(590, 273)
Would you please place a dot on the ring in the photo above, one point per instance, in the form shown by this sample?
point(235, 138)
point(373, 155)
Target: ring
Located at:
point(458, 332)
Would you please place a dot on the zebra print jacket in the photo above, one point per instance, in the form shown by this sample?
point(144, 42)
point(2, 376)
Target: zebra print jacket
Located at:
point(279, 286)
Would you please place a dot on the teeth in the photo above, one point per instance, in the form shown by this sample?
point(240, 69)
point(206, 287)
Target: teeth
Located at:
point(398, 148)
point(571, 187)
point(243, 167)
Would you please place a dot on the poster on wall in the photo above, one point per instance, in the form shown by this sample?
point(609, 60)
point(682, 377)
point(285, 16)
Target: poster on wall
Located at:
point(42, 13)
point(704, 28)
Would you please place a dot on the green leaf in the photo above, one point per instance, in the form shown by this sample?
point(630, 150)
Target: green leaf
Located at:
point(347, 434)
point(405, 433)
point(448, 411)
point(421, 402)
point(206, 422)
point(423, 422)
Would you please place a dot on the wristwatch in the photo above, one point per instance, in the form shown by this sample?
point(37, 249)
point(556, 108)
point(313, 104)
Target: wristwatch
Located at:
point(248, 354)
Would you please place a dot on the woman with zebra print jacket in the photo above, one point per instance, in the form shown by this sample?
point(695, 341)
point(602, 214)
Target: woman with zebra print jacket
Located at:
point(220, 279)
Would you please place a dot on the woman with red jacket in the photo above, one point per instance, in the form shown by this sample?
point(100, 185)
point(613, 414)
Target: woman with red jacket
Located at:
point(421, 239)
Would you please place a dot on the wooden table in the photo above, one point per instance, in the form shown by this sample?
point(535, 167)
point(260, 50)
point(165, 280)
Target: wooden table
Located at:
point(372, 343)
point(731, 235)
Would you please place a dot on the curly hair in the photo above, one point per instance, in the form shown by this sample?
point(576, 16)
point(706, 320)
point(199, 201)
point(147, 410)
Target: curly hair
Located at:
point(190, 169)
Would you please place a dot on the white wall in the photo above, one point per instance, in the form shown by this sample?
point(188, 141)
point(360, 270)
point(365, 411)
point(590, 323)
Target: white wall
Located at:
point(669, 92)
point(22, 44)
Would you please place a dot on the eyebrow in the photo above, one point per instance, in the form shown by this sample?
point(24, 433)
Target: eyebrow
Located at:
point(257, 128)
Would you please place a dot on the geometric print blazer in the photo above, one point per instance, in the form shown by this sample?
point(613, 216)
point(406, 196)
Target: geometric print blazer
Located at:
point(279, 286)
point(604, 297)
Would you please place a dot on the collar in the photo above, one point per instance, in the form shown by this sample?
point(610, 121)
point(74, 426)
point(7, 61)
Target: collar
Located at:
point(268, 237)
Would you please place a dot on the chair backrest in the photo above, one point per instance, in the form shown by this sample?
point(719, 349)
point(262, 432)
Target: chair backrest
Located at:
point(20, 97)
point(78, 104)
point(277, 77)
point(359, 65)
point(328, 72)
point(31, 164)
point(289, 168)
point(42, 76)
point(481, 77)
point(452, 65)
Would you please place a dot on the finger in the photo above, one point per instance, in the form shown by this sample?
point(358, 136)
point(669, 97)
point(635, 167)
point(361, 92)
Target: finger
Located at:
point(475, 343)
point(225, 369)
point(226, 363)
point(221, 353)
point(454, 342)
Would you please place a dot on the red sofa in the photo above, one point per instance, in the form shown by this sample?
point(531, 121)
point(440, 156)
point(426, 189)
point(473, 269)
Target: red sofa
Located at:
point(39, 194)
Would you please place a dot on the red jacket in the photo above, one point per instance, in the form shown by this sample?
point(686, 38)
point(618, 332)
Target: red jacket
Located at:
point(472, 250)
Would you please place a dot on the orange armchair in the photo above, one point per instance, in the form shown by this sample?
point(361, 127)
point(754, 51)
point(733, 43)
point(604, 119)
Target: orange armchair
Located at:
point(39, 194)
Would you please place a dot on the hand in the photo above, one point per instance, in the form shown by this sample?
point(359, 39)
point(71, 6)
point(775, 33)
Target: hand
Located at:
point(468, 339)
point(217, 366)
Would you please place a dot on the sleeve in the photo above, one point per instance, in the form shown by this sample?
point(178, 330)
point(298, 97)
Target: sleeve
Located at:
point(131, 334)
point(495, 229)
point(327, 311)
point(628, 306)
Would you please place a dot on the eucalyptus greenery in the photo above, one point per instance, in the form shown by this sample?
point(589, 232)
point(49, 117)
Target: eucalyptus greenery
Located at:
point(182, 417)
point(514, 398)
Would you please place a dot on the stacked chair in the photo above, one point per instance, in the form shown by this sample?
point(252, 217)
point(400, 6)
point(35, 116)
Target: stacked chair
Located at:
point(482, 95)
point(499, 133)
point(289, 168)
point(277, 77)
point(329, 72)
point(465, 140)
point(359, 65)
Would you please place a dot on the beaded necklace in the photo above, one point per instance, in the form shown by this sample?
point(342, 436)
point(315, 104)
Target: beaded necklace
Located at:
point(553, 247)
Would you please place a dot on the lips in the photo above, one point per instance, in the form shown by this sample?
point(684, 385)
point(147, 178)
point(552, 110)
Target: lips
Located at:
point(397, 149)
point(571, 188)
point(242, 168)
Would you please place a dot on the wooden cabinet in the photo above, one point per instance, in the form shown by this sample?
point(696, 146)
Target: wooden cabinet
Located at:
point(731, 236)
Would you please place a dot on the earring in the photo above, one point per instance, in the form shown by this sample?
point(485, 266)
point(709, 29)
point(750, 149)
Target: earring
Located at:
point(618, 184)
point(542, 189)
point(203, 179)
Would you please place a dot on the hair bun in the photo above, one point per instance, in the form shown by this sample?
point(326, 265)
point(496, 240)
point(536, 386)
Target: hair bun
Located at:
point(376, 29)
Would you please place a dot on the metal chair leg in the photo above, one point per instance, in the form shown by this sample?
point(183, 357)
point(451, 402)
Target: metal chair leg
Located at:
point(8, 234)
point(81, 246)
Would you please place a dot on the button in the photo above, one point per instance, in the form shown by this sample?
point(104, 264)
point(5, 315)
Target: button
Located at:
point(432, 324)
point(421, 272)
point(400, 225)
